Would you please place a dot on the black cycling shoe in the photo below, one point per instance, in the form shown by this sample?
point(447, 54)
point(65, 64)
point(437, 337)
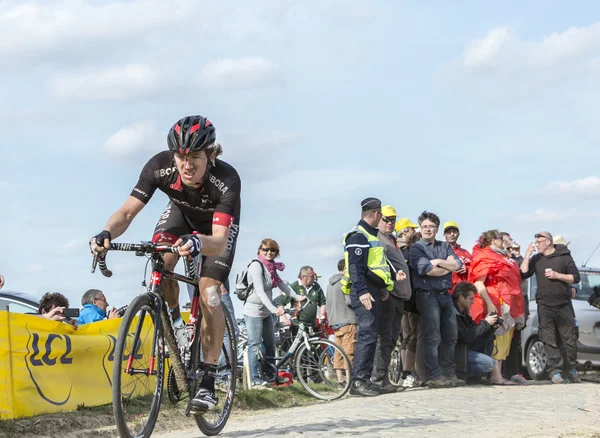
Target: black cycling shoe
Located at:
point(204, 400)
point(362, 389)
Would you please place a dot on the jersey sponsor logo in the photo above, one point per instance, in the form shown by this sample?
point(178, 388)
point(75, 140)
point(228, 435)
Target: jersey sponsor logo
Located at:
point(185, 204)
point(219, 262)
point(141, 192)
point(161, 173)
point(220, 185)
point(358, 251)
point(232, 236)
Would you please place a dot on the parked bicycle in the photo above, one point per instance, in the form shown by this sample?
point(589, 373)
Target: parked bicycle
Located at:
point(145, 335)
point(321, 366)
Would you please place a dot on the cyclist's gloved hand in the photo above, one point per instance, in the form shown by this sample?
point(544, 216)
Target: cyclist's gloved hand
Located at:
point(189, 244)
point(100, 242)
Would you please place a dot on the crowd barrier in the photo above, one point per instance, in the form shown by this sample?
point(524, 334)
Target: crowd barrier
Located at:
point(48, 366)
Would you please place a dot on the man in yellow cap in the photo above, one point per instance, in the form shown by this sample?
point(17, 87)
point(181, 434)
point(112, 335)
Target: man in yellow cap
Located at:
point(390, 316)
point(451, 234)
point(405, 229)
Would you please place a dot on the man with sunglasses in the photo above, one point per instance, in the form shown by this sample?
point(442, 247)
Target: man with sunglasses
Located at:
point(390, 317)
point(554, 271)
point(95, 308)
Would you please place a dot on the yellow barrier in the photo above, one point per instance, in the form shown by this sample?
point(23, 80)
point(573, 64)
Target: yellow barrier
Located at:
point(47, 366)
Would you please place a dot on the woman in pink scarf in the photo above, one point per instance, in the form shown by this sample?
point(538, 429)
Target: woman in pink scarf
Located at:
point(258, 308)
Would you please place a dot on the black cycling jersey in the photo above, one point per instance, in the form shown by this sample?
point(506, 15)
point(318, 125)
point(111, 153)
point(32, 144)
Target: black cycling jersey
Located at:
point(194, 209)
point(218, 200)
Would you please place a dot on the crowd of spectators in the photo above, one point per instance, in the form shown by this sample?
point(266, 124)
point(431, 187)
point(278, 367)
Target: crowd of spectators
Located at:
point(459, 313)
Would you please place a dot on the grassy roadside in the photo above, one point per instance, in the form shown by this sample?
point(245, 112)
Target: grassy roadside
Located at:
point(98, 421)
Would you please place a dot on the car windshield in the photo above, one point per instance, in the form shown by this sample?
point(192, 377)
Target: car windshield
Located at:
point(589, 280)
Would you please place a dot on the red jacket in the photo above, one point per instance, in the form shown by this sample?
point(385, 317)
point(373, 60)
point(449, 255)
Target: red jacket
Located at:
point(465, 258)
point(502, 279)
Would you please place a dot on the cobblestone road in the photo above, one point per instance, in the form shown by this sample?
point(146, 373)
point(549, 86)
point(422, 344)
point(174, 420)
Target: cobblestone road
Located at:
point(534, 411)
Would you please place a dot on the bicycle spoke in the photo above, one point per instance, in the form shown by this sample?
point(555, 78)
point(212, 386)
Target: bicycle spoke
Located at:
point(137, 390)
point(317, 370)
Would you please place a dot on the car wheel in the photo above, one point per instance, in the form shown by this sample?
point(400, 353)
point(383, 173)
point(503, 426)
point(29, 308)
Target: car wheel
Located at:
point(537, 359)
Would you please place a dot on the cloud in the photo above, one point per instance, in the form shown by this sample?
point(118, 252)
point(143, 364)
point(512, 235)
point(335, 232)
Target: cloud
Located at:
point(585, 187)
point(501, 59)
point(113, 83)
point(76, 246)
point(240, 73)
point(34, 268)
point(320, 184)
point(543, 215)
point(129, 141)
point(45, 28)
point(329, 251)
point(501, 50)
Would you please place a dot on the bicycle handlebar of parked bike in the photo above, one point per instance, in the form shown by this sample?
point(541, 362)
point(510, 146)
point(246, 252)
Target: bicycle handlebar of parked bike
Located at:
point(140, 249)
point(303, 305)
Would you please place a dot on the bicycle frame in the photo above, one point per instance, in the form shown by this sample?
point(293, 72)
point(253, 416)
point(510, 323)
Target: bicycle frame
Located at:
point(158, 274)
point(302, 335)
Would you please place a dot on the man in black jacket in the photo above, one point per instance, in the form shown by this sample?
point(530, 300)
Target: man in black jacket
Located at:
point(475, 341)
point(554, 270)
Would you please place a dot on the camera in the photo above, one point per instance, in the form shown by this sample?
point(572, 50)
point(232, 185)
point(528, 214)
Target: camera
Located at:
point(499, 320)
point(121, 311)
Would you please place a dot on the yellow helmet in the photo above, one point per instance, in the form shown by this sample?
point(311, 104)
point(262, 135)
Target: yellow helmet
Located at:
point(404, 223)
point(388, 210)
point(450, 224)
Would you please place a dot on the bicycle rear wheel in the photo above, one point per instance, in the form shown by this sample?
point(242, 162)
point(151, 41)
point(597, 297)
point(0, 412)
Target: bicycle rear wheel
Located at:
point(137, 374)
point(395, 368)
point(213, 421)
point(323, 369)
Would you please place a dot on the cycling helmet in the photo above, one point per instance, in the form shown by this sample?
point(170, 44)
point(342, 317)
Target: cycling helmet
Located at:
point(191, 134)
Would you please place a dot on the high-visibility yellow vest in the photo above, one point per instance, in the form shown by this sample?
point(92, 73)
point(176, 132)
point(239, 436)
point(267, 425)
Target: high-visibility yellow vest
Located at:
point(376, 260)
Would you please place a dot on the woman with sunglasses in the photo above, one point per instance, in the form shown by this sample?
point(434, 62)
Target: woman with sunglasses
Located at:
point(497, 277)
point(258, 308)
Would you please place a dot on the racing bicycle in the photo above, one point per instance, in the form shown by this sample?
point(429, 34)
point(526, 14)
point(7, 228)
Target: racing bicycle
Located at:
point(313, 362)
point(146, 339)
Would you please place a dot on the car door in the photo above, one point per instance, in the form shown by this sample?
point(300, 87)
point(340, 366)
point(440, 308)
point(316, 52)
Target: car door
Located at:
point(588, 317)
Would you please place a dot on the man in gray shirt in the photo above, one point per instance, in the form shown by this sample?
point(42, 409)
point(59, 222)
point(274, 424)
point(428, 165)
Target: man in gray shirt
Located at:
point(341, 318)
point(390, 318)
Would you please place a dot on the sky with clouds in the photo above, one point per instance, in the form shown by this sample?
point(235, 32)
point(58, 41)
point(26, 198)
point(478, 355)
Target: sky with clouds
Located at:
point(484, 114)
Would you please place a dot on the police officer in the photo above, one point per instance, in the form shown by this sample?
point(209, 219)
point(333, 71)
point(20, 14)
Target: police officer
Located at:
point(367, 279)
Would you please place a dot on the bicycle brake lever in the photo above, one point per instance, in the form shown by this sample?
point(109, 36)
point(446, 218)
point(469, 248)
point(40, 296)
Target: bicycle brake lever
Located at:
point(94, 262)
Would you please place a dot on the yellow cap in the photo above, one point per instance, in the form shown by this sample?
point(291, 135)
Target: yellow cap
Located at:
point(450, 224)
point(404, 223)
point(388, 210)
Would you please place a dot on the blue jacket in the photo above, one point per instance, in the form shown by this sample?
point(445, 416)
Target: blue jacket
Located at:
point(90, 313)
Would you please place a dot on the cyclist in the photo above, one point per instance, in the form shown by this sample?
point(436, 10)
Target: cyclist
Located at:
point(202, 217)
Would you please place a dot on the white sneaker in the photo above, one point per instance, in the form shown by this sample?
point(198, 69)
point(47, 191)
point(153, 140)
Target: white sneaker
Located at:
point(409, 382)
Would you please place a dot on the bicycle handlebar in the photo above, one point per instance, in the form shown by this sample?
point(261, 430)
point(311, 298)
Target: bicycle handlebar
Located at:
point(139, 248)
point(303, 305)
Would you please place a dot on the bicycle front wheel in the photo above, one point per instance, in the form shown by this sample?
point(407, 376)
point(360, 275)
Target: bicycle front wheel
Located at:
point(137, 373)
point(213, 421)
point(323, 369)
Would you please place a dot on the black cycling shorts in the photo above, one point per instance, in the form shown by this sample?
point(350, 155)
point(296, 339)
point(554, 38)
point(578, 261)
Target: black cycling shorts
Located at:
point(173, 224)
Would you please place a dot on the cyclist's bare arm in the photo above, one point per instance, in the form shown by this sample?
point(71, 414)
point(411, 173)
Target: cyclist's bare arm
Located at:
point(121, 219)
point(211, 245)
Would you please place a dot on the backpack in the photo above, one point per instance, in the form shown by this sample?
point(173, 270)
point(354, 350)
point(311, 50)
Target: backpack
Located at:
point(242, 288)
